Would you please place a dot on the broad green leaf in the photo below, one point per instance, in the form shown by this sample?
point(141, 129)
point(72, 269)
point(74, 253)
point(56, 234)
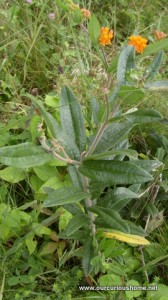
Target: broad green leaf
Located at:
point(114, 172)
point(76, 223)
point(24, 156)
point(45, 172)
point(157, 86)
point(72, 119)
point(125, 62)
point(78, 235)
point(159, 292)
point(144, 116)
point(127, 238)
point(110, 218)
point(153, 68)
point(112, 135)
point(135, 229)
point(110, 280)
point(130, 94)
point(133, 294)
point(88, 254)
point(95, 110)
point(125, 152)
point(94, 29)
point(63, 196)
point(12, 174)
point(54, 183)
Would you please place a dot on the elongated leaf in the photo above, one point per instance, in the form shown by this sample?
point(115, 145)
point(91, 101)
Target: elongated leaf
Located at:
point(63, 196)
point(72, 119)
point(56, 131)
point(112, 135)
point(24, 156)
point(153, 68)
point(118, 198)
point(127, 238)
point(88, 253)
point(144, 116)
point(157, 86)
point(110, 218)
point(114, 172)
point(124, 63)
point(125, 152)
point(148, 165)
point(94, 29)
point(76, 223)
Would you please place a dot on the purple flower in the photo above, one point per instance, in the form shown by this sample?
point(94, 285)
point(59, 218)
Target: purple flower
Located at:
point(29, 1)
point(51, 16)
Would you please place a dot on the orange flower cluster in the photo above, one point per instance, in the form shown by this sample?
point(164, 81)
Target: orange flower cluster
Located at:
point(86, 13)
point(160, 35)
point(106, 36)
point(138, 42)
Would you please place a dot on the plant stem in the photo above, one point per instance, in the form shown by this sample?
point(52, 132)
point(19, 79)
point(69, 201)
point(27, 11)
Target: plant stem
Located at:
point(89, 203)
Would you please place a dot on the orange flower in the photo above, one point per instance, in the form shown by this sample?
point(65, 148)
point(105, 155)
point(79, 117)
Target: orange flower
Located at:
point(138, 42)
point(86, 13)
point(106, 36)
point(160, 35)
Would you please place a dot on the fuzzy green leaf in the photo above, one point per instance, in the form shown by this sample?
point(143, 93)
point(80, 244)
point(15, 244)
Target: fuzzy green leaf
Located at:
point(76, 223)
point(94, 29)
point(112, 135)
point(24, 156)
point(63, 196)
point(72, 119)
point(114, 172)
point(125, 62)
point(144, 116)
point(157, 86)
point(111, 218)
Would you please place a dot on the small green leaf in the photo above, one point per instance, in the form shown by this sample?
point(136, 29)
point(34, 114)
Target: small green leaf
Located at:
point(134, 293)
point(153, 68)
point(48, 248)
point(114, 172)
point(24, 156)
point(63, 196)
point(94, 29)
point(52, 100)
point(31, 244)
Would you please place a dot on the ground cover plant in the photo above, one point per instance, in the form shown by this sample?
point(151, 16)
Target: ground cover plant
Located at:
point(83, 195)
